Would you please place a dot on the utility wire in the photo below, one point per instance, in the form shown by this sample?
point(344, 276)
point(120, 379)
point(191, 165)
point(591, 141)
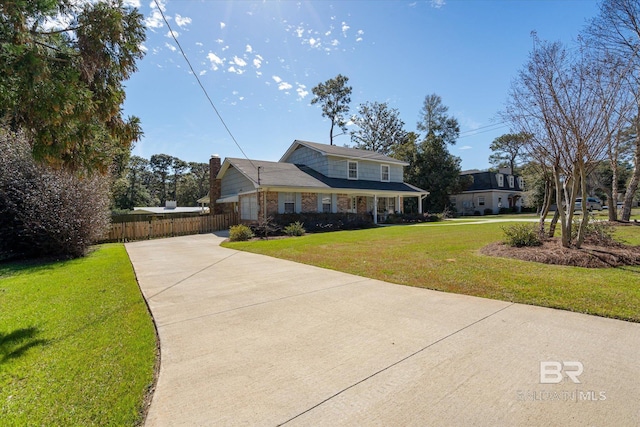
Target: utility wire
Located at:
point(200, 83)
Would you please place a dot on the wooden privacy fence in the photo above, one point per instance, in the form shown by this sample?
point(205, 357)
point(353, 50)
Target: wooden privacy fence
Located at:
point(168, 227)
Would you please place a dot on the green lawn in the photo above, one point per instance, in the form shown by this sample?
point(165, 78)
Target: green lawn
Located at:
point(77, 344)
point(446, 257)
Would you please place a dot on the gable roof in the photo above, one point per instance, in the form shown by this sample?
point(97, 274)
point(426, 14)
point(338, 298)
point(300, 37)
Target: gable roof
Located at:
point(289, 175)
point(273, 174)
point(345, 152)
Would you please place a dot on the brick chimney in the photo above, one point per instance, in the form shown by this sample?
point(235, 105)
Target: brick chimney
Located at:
point(214, 185)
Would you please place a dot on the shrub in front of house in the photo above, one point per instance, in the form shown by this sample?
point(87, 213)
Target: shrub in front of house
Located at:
point(240, 233)
point(295, 229)
point(519, 235)
point(411, 218)
point(488, 211)
point(322, 222)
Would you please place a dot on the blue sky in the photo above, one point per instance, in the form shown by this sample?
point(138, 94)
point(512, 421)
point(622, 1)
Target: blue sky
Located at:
point(259, 60)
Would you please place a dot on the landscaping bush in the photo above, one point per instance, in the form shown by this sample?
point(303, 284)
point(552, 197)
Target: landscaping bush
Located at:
point(596, 232)
point(266, 228)
point(295, 229)
point(321, 222)
point(411, 218)
point(47, 212)
point(240, 233)
point(520, 235)
point(488, 211)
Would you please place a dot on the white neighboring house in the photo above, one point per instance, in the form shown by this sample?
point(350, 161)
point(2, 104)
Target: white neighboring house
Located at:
point(312, 177)
point(489, 192)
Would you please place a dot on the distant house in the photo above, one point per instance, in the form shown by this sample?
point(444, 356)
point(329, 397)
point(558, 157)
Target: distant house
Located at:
point(488, 192)
point(312, 177)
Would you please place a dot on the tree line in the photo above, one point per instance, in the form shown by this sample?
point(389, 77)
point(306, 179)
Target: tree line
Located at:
point(163, 177)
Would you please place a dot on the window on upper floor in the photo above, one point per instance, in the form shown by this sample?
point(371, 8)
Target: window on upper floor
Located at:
point(521, 183)
point(352, 169)
point(511, 181)
point(500, 180)
point(385, 174)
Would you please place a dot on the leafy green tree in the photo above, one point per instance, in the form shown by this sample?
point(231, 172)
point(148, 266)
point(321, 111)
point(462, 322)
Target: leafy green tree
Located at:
point(334, 96)
point(160, 165)
point(507, 150)
point(433, 167)
point(379, 128)
point(63, 86)
point(178, 167)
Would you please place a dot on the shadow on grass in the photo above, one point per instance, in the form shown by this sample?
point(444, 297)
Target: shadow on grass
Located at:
point(14, 344)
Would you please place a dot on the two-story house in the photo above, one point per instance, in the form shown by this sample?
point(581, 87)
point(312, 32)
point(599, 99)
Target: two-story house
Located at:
point(488, 192)
point(312, 177)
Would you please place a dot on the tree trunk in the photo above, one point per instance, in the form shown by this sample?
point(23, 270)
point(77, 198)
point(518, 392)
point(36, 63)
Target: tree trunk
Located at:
point(331, 133)
point(582, 229)
point(635, 177)
point(633, 183)
point(546, 204)
point(566, 234)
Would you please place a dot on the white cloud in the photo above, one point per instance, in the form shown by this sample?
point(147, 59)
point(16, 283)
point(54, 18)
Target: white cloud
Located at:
point(172, 34)
point(182, 20)
point(171, 47)
point(257, 61)
point(216, 62)
point(132, 3)
point(276, 79)
point(327, 33)
point(219, 41)
point(222, 25)
point(284, 86)
point(299, 31)
point(465, 147)
point(202, 73)
point(313, 42)
point(302, 91)
point(249, 49)
point(154, 20)
point(239, 62)
point(235, 70)
point(335, 42)
point(345, 27)
point(199, 44)
point(143, 48)
point(438, 3)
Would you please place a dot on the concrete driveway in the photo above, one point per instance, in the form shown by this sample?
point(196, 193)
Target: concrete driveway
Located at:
point(252, 340)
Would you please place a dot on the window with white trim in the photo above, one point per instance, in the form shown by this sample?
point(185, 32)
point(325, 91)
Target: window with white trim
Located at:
point(481, 201)
point(385, 173)
point(521, 183)
point(326, 203)
point(289, 202)
point(500, 180)
point(511, 181)
point(352, 169)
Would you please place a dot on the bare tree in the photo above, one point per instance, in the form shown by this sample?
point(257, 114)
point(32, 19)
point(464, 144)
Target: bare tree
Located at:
point(568, 103)
point(617, 30)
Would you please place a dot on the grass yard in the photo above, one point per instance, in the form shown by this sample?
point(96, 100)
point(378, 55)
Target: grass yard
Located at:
point(445, 256)
point(77, 344)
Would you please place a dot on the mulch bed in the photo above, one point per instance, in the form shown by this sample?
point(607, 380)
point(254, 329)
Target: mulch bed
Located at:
point(552, 252)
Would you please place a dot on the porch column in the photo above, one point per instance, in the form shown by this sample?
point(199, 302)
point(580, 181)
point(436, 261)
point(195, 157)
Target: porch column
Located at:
point(398, 205)
point(420, 204)
point(375, 209)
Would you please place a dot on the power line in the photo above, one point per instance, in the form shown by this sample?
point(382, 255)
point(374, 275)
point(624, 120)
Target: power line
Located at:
point(200, 83)
point(488, 128)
